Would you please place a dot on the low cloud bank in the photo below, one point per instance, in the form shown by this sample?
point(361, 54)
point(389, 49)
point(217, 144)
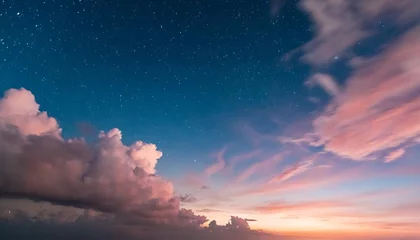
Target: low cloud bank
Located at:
point(116, 184)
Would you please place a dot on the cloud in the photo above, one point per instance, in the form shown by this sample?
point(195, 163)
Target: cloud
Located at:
point(291, 171)
point(260, 166)
point(18, 108)
point(235, 223)
point(188, 198)
point(277, 207)
point(238, 223)
point(218, 165)
point(326, 82)
point(108, 176)
point(341, 24)
point(392, 156)
point(314, 100)
point(374, 112)
point(240, 158)
point(343, 202)
point(206, 210)
point(108, 190)
point(250, 220)
point(405, 210)
point(395, 225)
point(88, 216)
point(320, 177)
point(89, 231)
point(92, 225)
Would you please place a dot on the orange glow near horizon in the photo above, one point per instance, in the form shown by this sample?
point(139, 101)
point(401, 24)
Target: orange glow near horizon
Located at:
point(302, 225)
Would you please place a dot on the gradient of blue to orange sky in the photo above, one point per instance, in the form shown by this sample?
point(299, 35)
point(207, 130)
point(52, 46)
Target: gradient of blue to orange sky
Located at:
point(301, 118)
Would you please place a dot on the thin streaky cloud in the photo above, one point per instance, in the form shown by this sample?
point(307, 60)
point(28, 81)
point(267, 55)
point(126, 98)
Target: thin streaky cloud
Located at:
point(374, 113)
point(262, 166)
point(340, 25)
point(392, 156)
point(326, 82)
point(218, 165)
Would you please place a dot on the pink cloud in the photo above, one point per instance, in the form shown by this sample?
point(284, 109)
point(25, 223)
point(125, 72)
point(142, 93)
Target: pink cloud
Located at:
point(406, 209)
point(18, 108)
point(340, 25)
point(277, 207)
point(343, 205)
point(260, 166)
point(38, 164)
point(298, 184)
point(375, 112)
point(363, 216)
point(392, 156)
point(238, 223)
point(291, 171)
point(321, 177)
point(400, 225)
point(326, 82)
point(232, 162)
point(218, 165)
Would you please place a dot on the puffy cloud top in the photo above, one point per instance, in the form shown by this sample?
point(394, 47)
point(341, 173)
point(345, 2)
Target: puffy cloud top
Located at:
point(108, 176)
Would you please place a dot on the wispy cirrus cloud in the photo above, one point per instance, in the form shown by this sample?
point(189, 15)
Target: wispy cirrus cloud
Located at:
point(291, 171)
point(218, 165)
point(326, 82)
point(405, 210)
point(316, 180)
point(323, 176)
point(394, 155)
point(278, 207)
point(395, 225)
point(344, 204)
point(239, 158)
point(399, 218)
point(208, 210)
point(260, 166)
point(340, 25)
point(374, 112)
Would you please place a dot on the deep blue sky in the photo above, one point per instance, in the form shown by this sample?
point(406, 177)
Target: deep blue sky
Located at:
point(175, 73)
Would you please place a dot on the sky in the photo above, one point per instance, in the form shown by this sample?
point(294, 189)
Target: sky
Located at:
point(210, 119)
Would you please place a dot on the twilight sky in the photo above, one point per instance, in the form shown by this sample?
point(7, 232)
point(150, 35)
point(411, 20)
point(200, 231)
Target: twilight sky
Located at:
point(292, 117)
